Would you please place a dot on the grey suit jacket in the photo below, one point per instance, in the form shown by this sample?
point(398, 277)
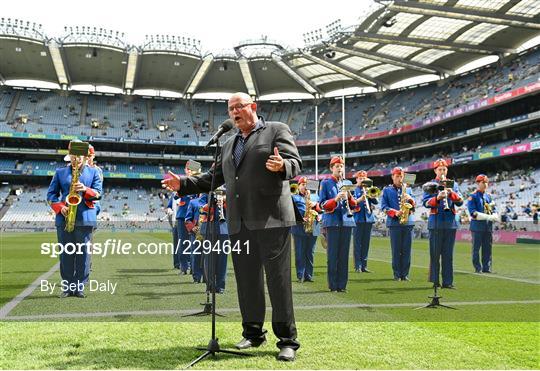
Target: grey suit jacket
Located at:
point(255, 196)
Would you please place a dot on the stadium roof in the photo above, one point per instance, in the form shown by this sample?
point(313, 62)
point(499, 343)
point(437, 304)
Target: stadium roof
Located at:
point(396, 41)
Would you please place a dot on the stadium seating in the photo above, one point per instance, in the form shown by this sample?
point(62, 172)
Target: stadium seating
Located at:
point(6, 97)
point(122, 117)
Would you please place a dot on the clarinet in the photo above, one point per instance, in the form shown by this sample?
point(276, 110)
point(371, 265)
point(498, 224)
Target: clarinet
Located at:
point(445, 200)
point(221, 212)
point(345, 202)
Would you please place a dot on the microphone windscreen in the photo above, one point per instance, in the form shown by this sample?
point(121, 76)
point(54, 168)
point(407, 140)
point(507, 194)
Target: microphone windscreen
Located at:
point(227, 125)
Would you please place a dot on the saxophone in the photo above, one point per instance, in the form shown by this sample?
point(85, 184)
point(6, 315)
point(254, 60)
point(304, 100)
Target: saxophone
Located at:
point(201, 220)
point(309, 215)
point(404, 206)
point(73, 199)
point(488, 207)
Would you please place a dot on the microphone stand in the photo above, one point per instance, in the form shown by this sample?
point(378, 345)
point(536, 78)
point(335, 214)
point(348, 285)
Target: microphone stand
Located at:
point(435, 300)
point(213, 345)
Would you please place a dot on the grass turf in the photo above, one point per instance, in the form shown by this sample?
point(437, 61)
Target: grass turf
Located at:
point(334, 337)
point(341, 345)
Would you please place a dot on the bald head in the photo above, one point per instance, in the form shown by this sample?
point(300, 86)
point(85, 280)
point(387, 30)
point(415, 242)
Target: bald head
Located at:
point(245, 98)
point(243, 111)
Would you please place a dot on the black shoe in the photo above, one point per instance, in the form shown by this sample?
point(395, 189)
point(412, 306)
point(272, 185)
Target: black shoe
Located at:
point(248, 343)
point(436, 284)
point(478, 271)
point(220, 291)
point(397, 278)
point(309, 279)
point(357, 270)
point(451, 287)
point(65, 294)
point(365, 270)
point(80, 294)
point(286, 354)
point(333, 290)
point(405, 279)
point(341, 290)
point(487, 272)
point(300, 280)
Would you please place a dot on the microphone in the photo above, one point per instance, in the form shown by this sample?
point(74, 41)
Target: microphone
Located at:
point(223, 128)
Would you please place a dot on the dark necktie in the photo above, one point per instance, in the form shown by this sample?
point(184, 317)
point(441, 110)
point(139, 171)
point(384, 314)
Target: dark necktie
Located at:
point(238, 150)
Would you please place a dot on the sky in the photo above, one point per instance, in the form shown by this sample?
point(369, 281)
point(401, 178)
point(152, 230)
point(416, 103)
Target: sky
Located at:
point(220, 25)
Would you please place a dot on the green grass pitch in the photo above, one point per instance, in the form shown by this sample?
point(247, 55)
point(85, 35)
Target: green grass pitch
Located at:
point(374, 325)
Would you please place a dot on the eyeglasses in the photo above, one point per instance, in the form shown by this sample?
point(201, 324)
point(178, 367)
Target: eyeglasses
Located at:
point(238, 106)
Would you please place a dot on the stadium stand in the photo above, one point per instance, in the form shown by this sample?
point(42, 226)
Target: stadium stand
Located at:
point(51, 113)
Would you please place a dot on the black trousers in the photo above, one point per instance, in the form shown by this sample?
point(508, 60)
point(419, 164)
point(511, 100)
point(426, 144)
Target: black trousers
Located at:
point(269, 252)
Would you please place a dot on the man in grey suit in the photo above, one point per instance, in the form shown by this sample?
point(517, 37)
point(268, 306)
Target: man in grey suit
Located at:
point(255, 166)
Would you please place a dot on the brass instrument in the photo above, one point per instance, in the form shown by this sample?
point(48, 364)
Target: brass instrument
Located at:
point(488, 207)
point(370, 191)
point(404, 206)
point(198, 234)
point(73, 199)
point(294, 188)
point(310, 215)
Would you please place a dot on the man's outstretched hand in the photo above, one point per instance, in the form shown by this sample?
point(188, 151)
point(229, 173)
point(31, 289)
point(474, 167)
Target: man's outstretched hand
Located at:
point(171, 184)
point(275, 162)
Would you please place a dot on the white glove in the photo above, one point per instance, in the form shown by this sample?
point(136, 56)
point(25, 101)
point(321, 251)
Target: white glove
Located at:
point(489, 218)
point(169, 212)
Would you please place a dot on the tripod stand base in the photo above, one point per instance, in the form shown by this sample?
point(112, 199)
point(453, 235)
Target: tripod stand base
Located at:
point(213, 348)
point(207, 310)
point(436, 302)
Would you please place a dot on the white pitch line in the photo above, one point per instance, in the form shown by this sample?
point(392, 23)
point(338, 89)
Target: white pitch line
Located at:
point(488, 275)
point(235, 310)
point(4, 311)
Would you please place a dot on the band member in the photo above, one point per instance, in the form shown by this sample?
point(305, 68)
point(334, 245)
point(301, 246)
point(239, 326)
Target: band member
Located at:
point(339, 222)
point(482, 214)
point(305, 234)
point(75, 183)
point(221, 233)
point(398, 205)
point(442, 226)
point(193, 222)
point(364, 219)
point(172, 208)
point(91, 163)
point(184, 260)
